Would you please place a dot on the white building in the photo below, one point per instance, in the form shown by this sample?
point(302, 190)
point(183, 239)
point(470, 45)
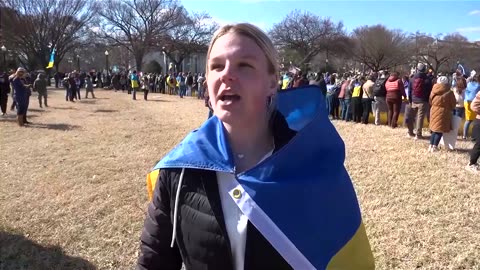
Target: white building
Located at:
point(195, 63)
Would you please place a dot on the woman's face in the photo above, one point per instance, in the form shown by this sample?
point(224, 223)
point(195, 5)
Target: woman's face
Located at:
point(238, 80)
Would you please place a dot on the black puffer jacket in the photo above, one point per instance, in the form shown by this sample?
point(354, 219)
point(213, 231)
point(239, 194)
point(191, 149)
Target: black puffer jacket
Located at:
point(201, 237)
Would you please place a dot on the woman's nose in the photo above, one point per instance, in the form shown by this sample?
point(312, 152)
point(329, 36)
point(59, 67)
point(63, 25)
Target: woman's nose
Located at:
point(229, 73)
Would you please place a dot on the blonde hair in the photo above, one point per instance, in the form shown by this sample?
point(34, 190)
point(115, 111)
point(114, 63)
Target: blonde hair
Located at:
point(255, 34)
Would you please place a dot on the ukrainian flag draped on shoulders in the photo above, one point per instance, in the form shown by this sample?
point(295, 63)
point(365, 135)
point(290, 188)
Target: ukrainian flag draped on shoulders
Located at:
point(301, 198)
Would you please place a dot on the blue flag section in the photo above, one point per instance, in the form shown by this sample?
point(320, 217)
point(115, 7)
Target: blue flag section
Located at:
point(303, 188)
point(52, 59)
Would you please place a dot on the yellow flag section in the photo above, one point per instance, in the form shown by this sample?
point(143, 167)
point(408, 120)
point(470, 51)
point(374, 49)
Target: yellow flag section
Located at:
point(356, 254)
point(151, 181)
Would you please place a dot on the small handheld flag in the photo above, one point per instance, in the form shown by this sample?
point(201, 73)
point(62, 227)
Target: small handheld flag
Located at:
point(52, 59)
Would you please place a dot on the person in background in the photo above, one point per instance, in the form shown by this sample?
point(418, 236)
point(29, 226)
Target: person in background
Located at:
point(357, 94)
point(201, 89)
point(473, 87)
point(40, 86)
point(89, 87)
point(367, 99)
point(418, 93)
point(300, 80)
point(475, 152)
point(380, 94)
point(21, 94)
point(4, 91)
point(341, 96)
point(395, 90)
point(135, 81)
point(347, 111)
point(332, 99)
point(442, 103)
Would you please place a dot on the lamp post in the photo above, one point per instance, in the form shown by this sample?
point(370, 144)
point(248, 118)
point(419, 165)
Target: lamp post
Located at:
point(326, 64)
point(106, 61)
point(4, 52)
point(165, 60)
point(78, 63)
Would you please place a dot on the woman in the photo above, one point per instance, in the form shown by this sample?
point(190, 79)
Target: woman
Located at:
point(332, 98)
point(212, 206)
point(475, 152)
point(357, 109)
point(21, 94)
point(473, 88)
point(395, 91)
point(367, 99)
point(442, 102)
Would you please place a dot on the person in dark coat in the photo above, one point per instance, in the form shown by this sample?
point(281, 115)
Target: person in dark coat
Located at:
point(4, 91)
point(21, 95)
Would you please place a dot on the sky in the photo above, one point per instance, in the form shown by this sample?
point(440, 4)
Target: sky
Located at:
point(431, 17)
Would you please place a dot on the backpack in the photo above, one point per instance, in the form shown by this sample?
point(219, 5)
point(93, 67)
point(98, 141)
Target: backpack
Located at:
point(379, 89)
point(418, 87)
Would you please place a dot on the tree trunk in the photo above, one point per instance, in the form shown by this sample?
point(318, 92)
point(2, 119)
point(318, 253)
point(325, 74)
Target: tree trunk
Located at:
point(139, 60)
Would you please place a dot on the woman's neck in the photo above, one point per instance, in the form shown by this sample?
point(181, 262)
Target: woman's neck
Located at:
point(249, 145)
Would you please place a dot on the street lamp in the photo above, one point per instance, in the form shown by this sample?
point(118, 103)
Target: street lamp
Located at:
point(165, 60)
point(4, 52)
point(106, 60)
point(78, 63)
point(326, 64)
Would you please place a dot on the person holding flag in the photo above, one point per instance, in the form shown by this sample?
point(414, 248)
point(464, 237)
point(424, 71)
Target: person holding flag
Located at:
point(262, 183)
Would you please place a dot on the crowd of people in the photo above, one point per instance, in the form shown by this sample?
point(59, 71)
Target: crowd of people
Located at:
point(443, 100)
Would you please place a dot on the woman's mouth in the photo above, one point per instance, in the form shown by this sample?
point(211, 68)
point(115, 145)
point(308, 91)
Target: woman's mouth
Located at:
point(229, 99)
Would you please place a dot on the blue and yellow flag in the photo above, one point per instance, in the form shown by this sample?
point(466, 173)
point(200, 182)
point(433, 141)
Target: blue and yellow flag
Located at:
point(301, 198)
point(52, 59)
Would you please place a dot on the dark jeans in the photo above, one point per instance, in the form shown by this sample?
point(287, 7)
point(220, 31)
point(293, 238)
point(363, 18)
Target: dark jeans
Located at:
point(466, 128)
point(347, 110)
point(394, 107)
point(357, 109)
point(3, 101)
point(435, 138)
point(366, 108)
point(475, 152)
point(460, 112)
point(145, 94)
point(134, 94)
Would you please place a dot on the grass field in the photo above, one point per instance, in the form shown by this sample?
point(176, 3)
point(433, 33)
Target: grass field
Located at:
point(73, 196)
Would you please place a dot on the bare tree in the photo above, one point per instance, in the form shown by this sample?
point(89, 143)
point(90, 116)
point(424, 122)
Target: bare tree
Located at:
point(37, 26)
point(137, 24)
point(443, 54)
point(307, 35)
point(192, 35)
point(379, 48)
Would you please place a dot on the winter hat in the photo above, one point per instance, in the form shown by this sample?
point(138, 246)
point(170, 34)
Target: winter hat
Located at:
point(443, 80)
point(20, 69)
point(421, 67)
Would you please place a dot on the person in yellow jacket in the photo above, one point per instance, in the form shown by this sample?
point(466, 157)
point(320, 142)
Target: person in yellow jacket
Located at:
point(135, 83)
point(171, 83)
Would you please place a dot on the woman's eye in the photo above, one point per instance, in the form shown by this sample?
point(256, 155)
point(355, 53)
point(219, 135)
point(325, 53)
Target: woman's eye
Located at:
point(245, 65)
point(216, 67)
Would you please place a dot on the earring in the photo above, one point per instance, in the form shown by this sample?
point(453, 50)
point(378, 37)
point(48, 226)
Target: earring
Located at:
point(269, 101)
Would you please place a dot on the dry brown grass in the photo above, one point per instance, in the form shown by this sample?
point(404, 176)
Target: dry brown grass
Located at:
point(72, 187)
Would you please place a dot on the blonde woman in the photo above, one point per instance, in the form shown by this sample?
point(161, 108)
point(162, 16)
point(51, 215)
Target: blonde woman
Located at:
point(244, 191)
